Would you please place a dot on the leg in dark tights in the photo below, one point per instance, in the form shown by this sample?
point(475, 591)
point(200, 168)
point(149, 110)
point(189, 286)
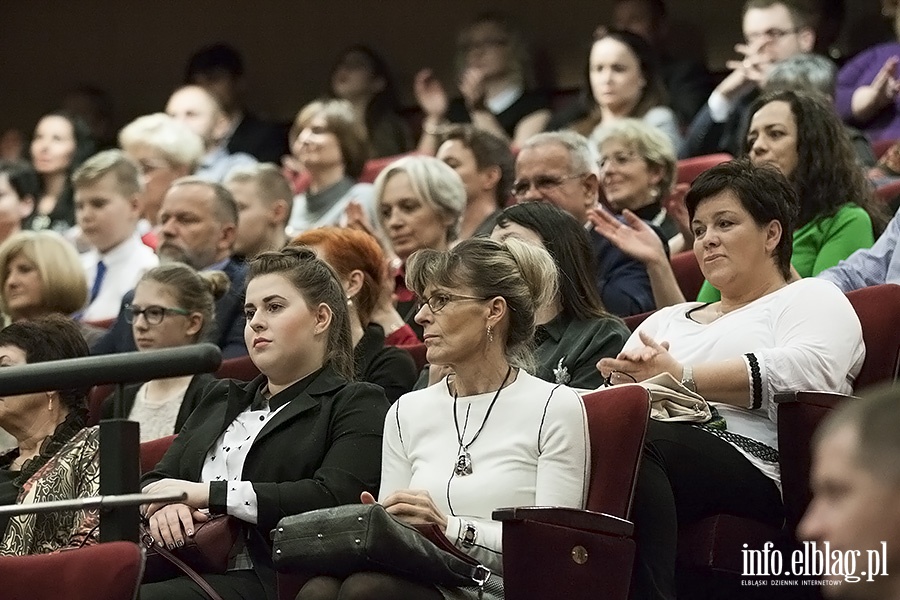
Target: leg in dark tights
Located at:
point(367, 586)
point(688, 474)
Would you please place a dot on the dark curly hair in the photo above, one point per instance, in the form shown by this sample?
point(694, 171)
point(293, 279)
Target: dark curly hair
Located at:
point(827, 174)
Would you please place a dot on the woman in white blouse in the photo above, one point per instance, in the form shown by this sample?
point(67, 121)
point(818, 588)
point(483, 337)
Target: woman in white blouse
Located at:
point(765, 336)
point(489, 434)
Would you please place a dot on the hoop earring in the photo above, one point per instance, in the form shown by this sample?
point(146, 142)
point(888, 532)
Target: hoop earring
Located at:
point(490, 334)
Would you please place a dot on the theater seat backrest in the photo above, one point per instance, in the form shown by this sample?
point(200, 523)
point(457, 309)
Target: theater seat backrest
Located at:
point(153, 451)
point(878, 308)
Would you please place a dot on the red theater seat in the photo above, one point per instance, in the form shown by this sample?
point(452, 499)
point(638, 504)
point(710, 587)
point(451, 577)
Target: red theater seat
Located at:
point(690, 168)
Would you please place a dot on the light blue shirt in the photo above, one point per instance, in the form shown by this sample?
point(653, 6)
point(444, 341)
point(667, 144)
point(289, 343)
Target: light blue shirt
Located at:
point(218, 163)
point(870, 266)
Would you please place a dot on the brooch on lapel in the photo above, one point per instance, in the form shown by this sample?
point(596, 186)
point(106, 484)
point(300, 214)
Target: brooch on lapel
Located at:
point(561, 373)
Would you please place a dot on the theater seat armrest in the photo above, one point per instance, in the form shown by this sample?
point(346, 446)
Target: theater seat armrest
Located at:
point(822, 399)
point(574, 518)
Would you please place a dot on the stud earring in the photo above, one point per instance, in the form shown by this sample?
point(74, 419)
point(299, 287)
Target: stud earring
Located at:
point(49, 402)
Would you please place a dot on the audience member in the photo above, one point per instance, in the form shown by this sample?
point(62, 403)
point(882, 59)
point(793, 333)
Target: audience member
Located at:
point(198, 221)
point(220, 69)
point(574, 331)
point(107, 209)
point(420, 201)
point(561, 168)
point(328, 141)
point(57, 457)
point(200, 111)
point(164, 150)
point(773, 31)
point(299, 437)
point(263, 197)
point(61, 142)
point(41, 275)
point(487, 169)
point(95, 107)
point(870, 266)
point(19, 189)
point(638, 171)
point(359, 263)
point(362, 77)
point(687, 81)
point(763, 337)
point(478, 311)
point(493, 68)
point(856, 492)
point(173, 306)
point(622, 82)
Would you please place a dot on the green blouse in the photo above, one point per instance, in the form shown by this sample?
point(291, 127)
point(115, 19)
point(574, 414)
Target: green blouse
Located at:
point(821, 244)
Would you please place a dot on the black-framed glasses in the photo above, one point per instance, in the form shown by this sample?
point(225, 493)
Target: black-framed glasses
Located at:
point(437, 301)
point(153, 314)
point(775, 33)
point(542, 183)
point(615, 378)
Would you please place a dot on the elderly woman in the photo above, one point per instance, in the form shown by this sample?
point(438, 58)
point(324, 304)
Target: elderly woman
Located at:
point(61, 142)
point(637, 171)
point(622, 82)
point(763, 337)
point(173, 306)
point(488, 435)
point(56, 456)
point(494, 73)
point(359, 262)
point(329, 143)
point(800, 135)
point(299, 437)
point(574, 331)
point(164, 149)
point(419, 201)
point(486, 166)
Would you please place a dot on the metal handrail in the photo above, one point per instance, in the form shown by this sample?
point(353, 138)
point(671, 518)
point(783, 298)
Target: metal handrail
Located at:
point(100, 502)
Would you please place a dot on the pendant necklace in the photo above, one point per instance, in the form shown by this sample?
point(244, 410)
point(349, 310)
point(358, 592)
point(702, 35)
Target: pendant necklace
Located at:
point(464, 459)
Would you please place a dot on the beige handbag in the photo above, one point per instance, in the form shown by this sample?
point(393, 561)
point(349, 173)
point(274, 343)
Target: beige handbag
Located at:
point(671, 401)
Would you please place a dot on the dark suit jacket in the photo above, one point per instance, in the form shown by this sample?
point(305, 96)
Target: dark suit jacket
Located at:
point(229, 320)
point(705, 136)
point(321, 450)
point(622, 281)
point(192, 396)
point(266, 141)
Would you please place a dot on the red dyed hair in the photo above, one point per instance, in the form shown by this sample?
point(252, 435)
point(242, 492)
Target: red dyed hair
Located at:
point(347, 250)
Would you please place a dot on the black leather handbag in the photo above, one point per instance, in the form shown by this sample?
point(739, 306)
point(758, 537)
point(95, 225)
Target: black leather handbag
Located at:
point(351, 538)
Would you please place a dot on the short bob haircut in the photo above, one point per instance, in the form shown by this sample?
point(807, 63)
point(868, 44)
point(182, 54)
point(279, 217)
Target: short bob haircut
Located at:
point(489, 151)
point(650, 144)
point(317, 283)
point(341, 120)
point(763, 192)
point(63, 284)
point(435, 184)
point(52, 337)
point(807, 72)
point(347, 250)
point(522, 274)
point(567, 242)
point(22, 178)
point(172, 139)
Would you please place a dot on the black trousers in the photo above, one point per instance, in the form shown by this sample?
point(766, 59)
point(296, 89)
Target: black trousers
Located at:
point(688, 474)
point(234, 585)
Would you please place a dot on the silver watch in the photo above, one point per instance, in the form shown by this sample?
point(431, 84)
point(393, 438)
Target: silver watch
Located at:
point(687, 378)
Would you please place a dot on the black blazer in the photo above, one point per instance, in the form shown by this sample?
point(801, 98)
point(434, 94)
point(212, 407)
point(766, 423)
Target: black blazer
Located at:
point(229, 319)
point(705, 136)
point(321, 450)
point(192, 396)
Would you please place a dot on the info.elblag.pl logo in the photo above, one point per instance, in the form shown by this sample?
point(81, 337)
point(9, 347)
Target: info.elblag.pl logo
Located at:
point(813, 564)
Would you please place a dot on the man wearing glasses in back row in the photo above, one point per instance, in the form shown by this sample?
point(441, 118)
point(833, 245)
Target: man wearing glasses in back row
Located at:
point(774, 30)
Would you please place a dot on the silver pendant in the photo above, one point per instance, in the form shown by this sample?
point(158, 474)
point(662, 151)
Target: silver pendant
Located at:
point(463, 463)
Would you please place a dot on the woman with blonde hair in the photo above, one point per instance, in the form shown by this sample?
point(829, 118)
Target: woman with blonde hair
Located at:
point(173, 306)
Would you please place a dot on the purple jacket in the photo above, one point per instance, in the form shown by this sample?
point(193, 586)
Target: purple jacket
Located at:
point(860, 71)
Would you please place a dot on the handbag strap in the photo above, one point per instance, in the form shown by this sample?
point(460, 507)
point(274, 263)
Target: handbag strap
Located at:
point(183, 566)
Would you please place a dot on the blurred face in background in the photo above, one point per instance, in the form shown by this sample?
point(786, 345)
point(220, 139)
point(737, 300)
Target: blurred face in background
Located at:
point(53, 145)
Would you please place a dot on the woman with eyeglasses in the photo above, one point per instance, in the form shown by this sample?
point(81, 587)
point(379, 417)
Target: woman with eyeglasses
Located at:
point(488, 435)
point(301, 436)
point(173, 306)
point(493, 68)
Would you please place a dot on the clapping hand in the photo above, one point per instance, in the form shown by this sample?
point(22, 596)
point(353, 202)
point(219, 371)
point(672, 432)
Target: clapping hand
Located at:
point(430, 94)
point(634, 237)
point(471, 86)
point(868, 100)
point(643, 363)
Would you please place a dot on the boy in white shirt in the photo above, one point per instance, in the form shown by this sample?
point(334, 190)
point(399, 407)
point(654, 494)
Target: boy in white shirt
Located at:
point(107, 210)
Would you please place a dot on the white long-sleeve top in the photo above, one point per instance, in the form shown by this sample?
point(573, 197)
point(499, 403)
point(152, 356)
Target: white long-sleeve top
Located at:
point(533, 450)
point(805, 336)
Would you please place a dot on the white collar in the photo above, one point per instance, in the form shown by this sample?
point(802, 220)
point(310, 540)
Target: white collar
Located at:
point(504, 99)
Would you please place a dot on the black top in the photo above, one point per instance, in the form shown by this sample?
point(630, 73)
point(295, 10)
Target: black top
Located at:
point(705, 136)
point(320, 450)
point(60, 219)
point(192, 397)
point(9, 493)
point(527, 103)
point(388, 366)
point(267, 142)
point(622, 281)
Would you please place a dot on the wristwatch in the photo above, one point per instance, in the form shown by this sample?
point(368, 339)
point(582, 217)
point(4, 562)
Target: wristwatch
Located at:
point(687, 378)
point(469, 536)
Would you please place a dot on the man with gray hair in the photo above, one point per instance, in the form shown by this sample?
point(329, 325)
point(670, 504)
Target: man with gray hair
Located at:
point(856, 496)
point(561, 168)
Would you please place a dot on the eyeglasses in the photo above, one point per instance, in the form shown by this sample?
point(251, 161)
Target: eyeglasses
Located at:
point(153, 314)
point(618, 374)
point(437, 302)
point(772, 34)
point(484, 44)
point(620, 159)
point(542, 183)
